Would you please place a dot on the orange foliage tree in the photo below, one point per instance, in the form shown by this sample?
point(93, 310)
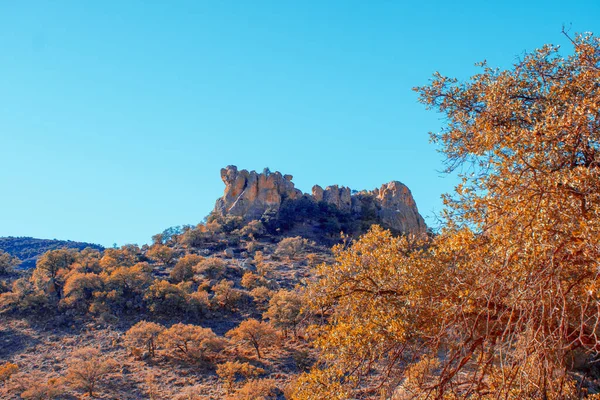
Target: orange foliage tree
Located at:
point(285, 310)
point(88, 369)
point(161, 253)
point(258, 335)
point(144, 334)
point(505, 301)
point(192, 342)
point(184, 269)
point(7, 262)
point(50, 271)
point(126, 256)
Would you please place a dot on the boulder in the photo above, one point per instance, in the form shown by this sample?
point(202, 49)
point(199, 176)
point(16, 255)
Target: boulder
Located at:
point(229, 253)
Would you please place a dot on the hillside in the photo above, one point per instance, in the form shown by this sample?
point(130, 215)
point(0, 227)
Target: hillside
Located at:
point(28, 249)
point(201, 294)
point(231, 279)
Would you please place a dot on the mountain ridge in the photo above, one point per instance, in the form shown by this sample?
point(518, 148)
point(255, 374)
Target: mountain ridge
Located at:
point(29, 249)
point(259, 196)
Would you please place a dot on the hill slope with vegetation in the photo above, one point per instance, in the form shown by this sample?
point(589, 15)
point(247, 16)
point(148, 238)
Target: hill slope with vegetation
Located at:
point(502, 302)
point(213, 311)
point(207, 311)
point(28, 249)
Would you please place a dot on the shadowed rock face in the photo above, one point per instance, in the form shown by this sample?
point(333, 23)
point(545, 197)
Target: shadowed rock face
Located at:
point(250, 194)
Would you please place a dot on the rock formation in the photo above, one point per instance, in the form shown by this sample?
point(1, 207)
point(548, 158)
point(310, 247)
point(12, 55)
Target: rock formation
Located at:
point(250, 194)
point(398, 208)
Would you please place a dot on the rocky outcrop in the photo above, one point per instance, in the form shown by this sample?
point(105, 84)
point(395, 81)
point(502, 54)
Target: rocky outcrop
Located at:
point(398, 208)
point(338, 196)
point(318, 193)
point(251, 194)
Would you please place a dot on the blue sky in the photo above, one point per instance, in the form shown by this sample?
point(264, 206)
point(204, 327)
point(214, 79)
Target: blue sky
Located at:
point(116, 116)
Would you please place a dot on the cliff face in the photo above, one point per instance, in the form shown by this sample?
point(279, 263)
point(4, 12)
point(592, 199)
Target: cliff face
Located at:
point(398, 208)
point(250, 194)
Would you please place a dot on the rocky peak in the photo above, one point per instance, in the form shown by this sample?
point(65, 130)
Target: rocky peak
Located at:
point(251, 194)
point(398, 208)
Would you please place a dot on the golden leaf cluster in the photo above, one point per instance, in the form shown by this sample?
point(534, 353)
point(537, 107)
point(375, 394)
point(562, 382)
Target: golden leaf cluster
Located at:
point(504, 301)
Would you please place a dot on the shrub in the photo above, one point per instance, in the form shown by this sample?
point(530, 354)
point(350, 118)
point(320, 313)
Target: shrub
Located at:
point(4, 287)
point(6, 370)
point(261, 296)
point(194, 237)
point(143, 335)
point(88, 369)
point(184, 269)
point(7, 262)
point(192, 343)
point(87, 261)
point(313, 259)
point(161, 253)
point(80, 288)
point(24, 297)
point(259, 258)
point(329, 219)
point(194, 392)
point(198, 302)
point(253, 228)
point(125, 286)
point(214, 227)
point(126, 256)
point(169, 235)
point(291, 246)
point(251, 246)
point(230, 223)
point(257, 389)
point(37, 386)
point(152, 385)
point(262, 267)
point(158, 239)
point(284, 310)
point(230, 371)
point(225, 296)
point(165, 298)
point(250, 280)
point(253, 333)
point(50, 271)
point(211, 267)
